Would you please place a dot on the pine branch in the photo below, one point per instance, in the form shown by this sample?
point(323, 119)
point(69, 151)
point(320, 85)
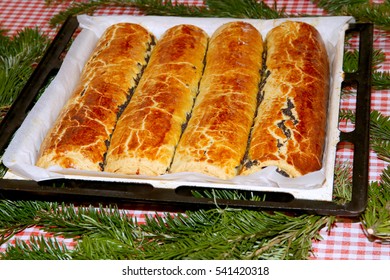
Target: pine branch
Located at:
point(3, 168)
point(379, 132)
point(76, 8)
point(380, 135)
point(98, 248)
point(361, 10)
point(63, 219)
point(376, 217)
point(15, 217)
point(347, 115)
point(170, 8)
point(213, 234)
point(381, 80)
point(379, 14)
point(342, 192)
point(227, 194)
point(231, 234)
point(334, 6)
point(351, 60)
point(244, 9)
point(148, 7)
point(212, 8)
point(382, 149)
point(37, 248)
point(18, 55)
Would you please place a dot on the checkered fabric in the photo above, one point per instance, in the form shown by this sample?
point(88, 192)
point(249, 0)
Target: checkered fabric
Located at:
point(346, 240)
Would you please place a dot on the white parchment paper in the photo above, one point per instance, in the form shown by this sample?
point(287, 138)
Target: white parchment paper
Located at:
point(21, 154)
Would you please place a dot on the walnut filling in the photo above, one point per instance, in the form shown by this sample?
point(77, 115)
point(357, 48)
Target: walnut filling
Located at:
point(121, 108)
point(249, 163)
point(264, 73)
point(289, 128)
point(289, 114)
point(282, 172)
point(283, 127)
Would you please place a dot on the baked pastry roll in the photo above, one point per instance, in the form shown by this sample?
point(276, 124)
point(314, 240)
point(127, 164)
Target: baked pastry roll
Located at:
point(79, 136)
point(147, 132)
point(289, 130)
point(216, 136)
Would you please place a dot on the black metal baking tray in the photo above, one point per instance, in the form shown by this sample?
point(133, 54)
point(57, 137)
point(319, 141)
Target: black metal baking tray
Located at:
point(146, 196)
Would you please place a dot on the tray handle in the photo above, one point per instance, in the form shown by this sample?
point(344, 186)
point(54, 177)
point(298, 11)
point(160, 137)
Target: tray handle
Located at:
point(360, 135)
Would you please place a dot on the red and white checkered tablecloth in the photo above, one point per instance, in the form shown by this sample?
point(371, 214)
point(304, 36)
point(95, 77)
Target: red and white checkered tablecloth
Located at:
point(346, 240)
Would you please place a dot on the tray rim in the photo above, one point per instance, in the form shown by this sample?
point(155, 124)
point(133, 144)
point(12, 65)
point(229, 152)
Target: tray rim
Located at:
point(309, 186)
point(360, 181)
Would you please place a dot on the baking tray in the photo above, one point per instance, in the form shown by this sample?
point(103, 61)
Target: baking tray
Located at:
point(145, 195)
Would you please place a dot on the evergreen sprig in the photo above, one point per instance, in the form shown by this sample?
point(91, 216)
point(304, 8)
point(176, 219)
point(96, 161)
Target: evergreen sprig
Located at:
point(244, 9)
point(18, 55)
point(107, 233)
point(380, 79)
point(376, 217)
point(380, 135)
point(361, 10)
point(212, 8)
point(61, 219)
point(351, 60)
point(37, 248)
point(379, 132)
point(342, 192)
point(347, 115)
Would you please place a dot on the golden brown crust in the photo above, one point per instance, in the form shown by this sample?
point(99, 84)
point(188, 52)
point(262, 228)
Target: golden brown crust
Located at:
point(150, 127)
point(78, 137)
point(289, 131)
point(216, 136)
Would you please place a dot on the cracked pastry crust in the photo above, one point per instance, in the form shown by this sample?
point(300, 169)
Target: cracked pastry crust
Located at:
point(216, 136)
point(78, 138)
point(289, 130)
point(149, 129)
